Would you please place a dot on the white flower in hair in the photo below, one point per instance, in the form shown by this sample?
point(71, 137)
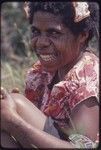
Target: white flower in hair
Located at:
point(81, 11)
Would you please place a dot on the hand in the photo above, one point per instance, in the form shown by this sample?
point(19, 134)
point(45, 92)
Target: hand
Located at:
point(6, 100)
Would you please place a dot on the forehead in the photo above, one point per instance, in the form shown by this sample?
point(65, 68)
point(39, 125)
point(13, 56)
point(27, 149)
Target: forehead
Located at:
point(45, 19)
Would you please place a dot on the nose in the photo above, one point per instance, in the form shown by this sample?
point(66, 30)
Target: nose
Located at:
point(42, 42)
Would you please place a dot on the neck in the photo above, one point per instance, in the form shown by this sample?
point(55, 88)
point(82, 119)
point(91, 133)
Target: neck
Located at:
point(64, 70)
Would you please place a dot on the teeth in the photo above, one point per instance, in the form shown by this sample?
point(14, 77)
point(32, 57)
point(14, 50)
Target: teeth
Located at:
point(47, 57)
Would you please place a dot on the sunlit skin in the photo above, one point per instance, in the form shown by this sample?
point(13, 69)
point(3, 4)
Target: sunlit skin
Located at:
point(51, 37)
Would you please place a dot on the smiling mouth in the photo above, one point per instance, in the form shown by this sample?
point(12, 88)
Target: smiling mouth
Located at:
point(48, 57)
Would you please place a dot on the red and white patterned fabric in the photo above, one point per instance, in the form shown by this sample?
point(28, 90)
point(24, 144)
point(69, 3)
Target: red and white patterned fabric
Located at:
point(80, 83)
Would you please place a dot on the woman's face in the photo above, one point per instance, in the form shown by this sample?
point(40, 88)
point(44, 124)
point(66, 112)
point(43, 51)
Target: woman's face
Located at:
point(53, 42)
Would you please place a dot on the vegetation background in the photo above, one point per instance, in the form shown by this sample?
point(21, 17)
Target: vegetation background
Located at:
point(16, 52)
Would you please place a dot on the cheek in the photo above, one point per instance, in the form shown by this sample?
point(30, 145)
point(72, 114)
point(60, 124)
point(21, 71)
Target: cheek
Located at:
point(61, 48)
point(68, 51)
point(33, 42)
point(60, 45)
point(65, 43)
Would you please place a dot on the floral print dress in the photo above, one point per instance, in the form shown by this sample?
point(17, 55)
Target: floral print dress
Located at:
point(80, 83)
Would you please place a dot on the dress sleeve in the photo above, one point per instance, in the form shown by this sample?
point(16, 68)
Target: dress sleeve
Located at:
point(88, 84)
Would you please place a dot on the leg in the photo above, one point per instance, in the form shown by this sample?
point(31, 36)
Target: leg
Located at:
point(28, 111)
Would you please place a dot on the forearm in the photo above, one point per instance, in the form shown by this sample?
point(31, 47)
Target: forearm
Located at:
point(28, 111)
point(29, 136)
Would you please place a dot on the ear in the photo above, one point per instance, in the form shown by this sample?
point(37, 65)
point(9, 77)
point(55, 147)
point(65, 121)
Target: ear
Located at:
point(83, 37)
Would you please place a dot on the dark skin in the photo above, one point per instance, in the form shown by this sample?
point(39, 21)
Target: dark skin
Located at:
point(63, 50)
point(51, 37)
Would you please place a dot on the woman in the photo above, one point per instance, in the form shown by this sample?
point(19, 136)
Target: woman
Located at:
point(63, 84)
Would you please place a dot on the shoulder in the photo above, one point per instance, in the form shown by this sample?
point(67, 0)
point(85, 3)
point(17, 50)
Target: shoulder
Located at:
point(33, 75)
point(36, 76)
point(86, 67)
point(34, 82)
point(35, 68)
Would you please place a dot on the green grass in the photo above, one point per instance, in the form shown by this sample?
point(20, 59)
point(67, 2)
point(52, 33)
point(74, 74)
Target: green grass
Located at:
point(12, 77)
point(13, 73)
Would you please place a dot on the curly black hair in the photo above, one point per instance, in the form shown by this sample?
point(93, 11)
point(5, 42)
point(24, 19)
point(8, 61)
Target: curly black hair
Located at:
point(66, 10)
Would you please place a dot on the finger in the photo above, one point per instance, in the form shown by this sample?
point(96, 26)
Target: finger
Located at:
point(2, 93)
point(15, 90)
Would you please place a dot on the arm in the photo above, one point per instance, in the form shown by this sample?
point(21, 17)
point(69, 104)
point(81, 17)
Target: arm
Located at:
point(21, 129)
point(28, 111)
point(25, 133)
point(86, 118)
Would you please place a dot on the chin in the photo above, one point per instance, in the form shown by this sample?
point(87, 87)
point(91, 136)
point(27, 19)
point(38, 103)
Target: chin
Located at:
point(50, 69)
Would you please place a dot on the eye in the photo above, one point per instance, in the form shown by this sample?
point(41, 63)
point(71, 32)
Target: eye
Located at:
point(53, 33)
point(34, 32)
